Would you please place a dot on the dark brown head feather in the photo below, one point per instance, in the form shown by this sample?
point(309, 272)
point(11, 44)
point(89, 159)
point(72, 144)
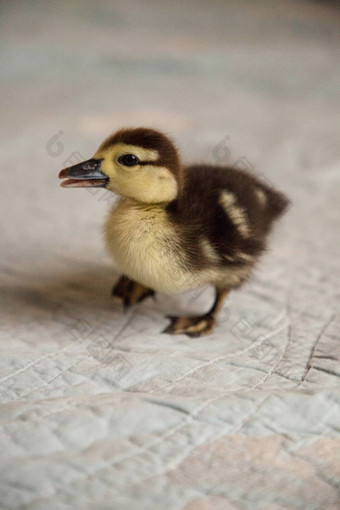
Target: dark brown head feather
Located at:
point(151, 139)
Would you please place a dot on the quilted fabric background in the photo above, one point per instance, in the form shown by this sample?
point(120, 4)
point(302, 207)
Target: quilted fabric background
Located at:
point(98, 409)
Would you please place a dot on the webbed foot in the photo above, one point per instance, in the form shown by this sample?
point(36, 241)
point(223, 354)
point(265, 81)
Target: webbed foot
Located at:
point(130, 292)
point(191, 326)
point(199, 325)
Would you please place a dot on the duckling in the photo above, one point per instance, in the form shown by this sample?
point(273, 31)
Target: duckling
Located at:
point(175, 227)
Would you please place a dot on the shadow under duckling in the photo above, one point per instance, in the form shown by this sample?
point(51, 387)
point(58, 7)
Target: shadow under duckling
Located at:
point(176, 227)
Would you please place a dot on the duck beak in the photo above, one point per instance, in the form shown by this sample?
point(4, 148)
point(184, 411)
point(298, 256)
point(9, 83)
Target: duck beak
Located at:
point(84, 175)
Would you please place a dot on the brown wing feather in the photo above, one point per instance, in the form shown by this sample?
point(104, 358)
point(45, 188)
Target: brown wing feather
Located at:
point(198, 213)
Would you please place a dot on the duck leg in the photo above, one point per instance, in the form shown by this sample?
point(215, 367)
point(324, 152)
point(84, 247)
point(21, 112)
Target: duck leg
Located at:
point(130, 292)
point(198, 325)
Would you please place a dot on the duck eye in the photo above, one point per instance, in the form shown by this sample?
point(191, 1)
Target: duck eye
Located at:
point(128, 160)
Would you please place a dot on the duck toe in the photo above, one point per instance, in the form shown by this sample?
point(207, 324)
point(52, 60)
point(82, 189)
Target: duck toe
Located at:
point(191, 326)
point(130, 292)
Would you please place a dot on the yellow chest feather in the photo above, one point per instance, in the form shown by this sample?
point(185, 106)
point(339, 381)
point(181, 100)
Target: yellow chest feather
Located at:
point(145, 247)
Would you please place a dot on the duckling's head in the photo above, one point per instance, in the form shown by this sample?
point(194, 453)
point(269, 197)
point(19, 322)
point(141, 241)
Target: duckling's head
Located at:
point(139, 163)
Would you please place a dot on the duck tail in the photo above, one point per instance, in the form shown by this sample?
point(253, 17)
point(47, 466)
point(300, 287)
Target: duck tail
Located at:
point(278, 203)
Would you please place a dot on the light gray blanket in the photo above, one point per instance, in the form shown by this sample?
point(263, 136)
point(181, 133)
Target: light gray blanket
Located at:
point(99, 410)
